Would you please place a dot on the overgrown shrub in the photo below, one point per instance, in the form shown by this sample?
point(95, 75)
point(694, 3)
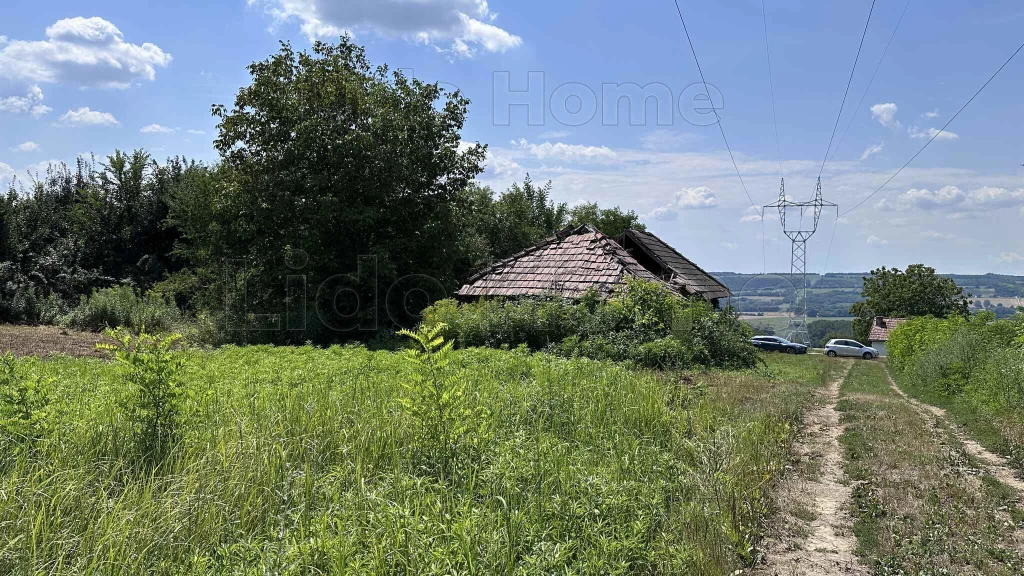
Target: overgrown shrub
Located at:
point(24, 402)
point(643, 324)
point(450, 425)
point(122, 306)
point(154, 401)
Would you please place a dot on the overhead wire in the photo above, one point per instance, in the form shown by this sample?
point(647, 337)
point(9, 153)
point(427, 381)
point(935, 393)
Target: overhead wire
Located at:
point(848, 84)
point(870, 82)
point(718, 118)
point(938, 132)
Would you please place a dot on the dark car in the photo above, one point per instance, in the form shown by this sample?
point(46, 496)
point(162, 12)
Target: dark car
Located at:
point(776, 344)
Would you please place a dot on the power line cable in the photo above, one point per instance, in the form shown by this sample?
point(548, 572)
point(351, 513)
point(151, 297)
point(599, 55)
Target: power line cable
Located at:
point(870, 82)
point(850, 82)
point(940, 131)
point(771, 85)
point(721, 129)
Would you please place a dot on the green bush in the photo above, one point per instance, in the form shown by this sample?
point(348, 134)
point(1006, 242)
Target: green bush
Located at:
point(154, 400)
point(643, 324)
point(123, 306)
point(24, 403)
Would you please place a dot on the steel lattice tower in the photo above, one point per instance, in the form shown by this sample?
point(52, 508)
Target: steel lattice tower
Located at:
point(799, 233)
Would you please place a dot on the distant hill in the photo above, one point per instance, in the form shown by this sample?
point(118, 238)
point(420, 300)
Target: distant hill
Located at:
point(832, 295)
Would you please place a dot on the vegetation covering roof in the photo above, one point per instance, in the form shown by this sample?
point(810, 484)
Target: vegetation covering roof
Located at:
point(567, 264)
point(687, 277)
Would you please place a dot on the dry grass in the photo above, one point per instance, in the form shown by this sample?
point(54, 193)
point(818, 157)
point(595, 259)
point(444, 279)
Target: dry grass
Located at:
point(920, 503)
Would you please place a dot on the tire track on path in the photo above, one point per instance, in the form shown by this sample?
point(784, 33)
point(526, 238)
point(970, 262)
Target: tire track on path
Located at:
point(824, 544)
point(991, 462)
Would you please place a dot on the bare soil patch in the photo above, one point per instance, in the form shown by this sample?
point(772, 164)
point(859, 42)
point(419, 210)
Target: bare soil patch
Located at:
point(46, 340)
point(817, 537)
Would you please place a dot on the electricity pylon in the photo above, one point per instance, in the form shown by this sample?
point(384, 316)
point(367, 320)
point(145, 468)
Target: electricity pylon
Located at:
point(799, 233)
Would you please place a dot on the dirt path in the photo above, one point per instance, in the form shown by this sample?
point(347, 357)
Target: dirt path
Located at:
point(818, 538)
point(992, 463)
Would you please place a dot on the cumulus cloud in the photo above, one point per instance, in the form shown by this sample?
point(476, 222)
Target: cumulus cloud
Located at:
point(699, 198)
point(565, 152)
point(886, 115)
point(876, 241)
point(754, 215)
point(84, 52)
point(467, 25)
point(954, 200)
point(872, 150)
point(86, 117)
point(156, 129)
point(931, 115)
point(196, 132)
point(696, 198)
point(1010, 257)
point(939, 135)
point(26, 147)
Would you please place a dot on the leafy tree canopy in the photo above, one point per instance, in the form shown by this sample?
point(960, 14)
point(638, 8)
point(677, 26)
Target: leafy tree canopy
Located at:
point(918, 291)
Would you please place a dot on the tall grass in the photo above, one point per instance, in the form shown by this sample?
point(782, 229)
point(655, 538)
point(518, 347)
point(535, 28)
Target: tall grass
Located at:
point(303, 461)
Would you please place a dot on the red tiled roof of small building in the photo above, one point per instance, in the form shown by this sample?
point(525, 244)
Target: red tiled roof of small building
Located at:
point(566, 265)
point(880, 333)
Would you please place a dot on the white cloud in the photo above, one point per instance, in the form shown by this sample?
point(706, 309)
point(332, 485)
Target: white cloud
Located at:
point(931, 115)
point(886, 115)
point(876, 241)
point(755, 214)
point(31, 102)
point(466, 24)
point(699, 198)
point(6, 173)
point(84, 52)
point(1010, 257)
point(26, 147)
point(960, 204)
point(565, 152)
point(156, 129)
point(872, 150)
point(555, 135)
point(86, 117)
point(696, 198)
point(939, 135)
point(933, 235)
point(897, 221)
point(196, 132)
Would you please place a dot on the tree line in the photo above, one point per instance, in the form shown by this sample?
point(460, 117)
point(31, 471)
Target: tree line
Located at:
point(350, 176)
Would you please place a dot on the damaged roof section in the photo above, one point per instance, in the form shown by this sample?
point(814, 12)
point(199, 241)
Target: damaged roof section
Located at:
point(567, 265)
point(581, 259)
point(671, 266)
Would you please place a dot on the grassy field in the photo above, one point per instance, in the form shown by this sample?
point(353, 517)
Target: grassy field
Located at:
point(922, 505)
point(308, 461)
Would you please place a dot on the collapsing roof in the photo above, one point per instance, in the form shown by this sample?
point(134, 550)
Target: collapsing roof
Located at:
point(578, 260)
point(671, 266)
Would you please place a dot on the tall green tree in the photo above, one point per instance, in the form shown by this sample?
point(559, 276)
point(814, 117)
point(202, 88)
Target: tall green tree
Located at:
point(327, 161)
point(918, 291)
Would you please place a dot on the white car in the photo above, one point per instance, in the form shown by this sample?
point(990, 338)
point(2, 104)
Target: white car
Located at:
point(850, 348)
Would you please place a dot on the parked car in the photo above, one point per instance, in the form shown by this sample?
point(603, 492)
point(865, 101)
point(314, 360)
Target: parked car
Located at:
point(776, 344)
point(850, 348)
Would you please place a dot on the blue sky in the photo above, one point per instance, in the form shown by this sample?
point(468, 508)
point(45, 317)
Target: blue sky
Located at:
point(77, 80)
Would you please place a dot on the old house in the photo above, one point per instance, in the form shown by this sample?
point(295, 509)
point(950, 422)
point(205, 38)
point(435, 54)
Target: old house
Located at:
point(574, 261)
point(879, 335)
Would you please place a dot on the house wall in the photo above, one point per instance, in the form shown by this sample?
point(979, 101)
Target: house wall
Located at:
point(881, 348)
